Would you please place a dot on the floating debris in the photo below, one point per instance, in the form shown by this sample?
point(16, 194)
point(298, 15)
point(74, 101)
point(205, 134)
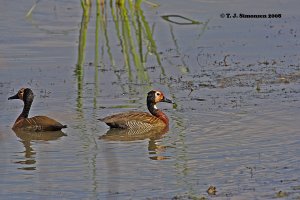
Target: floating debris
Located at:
point(281, 194)
point(212, 190)
point(186, 21)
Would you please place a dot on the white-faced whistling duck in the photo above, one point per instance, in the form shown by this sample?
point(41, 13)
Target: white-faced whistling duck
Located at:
point(142, 120)
point(37, 123)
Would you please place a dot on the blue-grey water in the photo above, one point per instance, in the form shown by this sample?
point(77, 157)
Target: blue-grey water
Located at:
point(236, 84)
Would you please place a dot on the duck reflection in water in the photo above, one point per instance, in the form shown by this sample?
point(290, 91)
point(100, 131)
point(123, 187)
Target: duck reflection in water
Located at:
point(27, 137)
point(124, 135)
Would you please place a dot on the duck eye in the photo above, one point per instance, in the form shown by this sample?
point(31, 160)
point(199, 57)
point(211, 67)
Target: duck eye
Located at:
point(157, 94)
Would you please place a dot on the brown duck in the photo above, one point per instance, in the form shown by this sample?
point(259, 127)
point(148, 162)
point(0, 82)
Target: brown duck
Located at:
point(142, 120)
point(37, 123)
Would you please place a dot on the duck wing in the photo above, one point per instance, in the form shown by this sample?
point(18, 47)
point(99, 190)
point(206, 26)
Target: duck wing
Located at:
point(133, 120)
point(39, 123)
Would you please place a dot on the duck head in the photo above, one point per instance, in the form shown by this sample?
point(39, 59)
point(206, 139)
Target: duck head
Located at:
point(24, 94)
point(156, 96)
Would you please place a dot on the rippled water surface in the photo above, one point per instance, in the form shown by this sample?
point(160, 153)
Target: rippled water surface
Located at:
point(236, 84)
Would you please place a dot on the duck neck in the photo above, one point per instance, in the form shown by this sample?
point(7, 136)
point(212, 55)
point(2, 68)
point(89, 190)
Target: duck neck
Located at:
point(157, 113)
point(25, 111)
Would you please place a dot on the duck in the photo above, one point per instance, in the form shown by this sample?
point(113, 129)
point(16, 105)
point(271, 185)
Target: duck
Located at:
point(142, 120)
point(36, 123)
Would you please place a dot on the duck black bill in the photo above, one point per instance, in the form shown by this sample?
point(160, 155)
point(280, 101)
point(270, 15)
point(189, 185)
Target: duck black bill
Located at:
point(167, 100)
point(14, 97)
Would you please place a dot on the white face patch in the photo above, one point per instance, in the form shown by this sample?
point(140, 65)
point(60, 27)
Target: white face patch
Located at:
point(155, 107)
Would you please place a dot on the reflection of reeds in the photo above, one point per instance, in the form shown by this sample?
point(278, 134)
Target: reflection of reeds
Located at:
point(184, 68)
point(96, 59)
point(32, 8)
point(130, 46)
point(135, 37)
point(133, 33)
point(81, 50)
point(151, 41)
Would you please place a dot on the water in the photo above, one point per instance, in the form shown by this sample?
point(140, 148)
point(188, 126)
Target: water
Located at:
point(235, 83)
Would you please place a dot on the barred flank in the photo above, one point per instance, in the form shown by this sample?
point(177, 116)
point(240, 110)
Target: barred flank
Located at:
point(133, 120)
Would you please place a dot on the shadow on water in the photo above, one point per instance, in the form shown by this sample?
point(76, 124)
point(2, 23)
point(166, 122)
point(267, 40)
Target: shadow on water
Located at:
point(27, 138)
